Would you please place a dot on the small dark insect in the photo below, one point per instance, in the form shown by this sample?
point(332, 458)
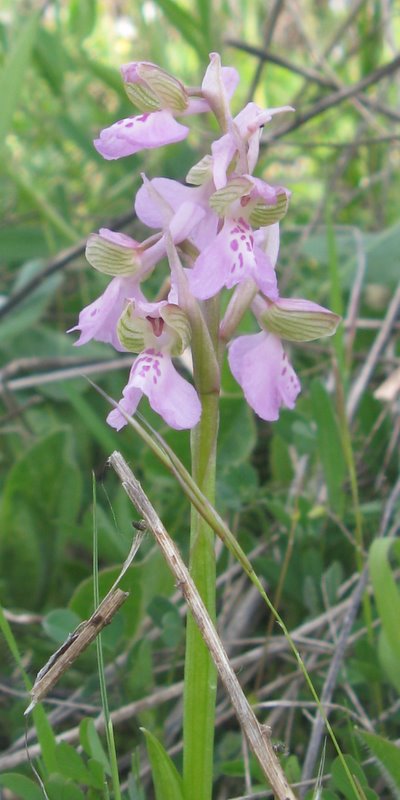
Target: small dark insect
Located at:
point(139, 524)
point(280, 748)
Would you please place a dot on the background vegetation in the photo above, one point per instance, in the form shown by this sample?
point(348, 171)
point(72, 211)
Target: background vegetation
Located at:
point(313, 499)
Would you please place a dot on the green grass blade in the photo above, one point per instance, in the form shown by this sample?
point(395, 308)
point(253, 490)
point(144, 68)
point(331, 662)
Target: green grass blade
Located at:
point(185, 23)
point(386, 592)
point(112, 754)
point(329, 445)
point(13, 73)
point(168, 783)
point(44, 731)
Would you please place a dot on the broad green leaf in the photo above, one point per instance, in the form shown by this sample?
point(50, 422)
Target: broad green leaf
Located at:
point(329, 445)
point(71, 766)
point(168, 783)
point(59, 788)
point(92, 745)
point(341, 781)
point(166, 616)
point(387, 755)
point(237, 435)
point(388, 660)
point(97, 773)
point(21, 786)
point(387, 595)
point(13, 73)
point(59, 623)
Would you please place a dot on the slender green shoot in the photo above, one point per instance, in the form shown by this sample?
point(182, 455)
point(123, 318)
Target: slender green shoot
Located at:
point(112, 753)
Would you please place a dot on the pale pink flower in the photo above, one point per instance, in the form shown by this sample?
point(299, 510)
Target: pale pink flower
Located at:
point(99, 319)
point(169, 395)
point(261, 367)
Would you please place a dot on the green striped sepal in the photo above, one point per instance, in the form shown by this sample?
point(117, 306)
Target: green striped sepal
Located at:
point(178, 327)
point(298, 320)
point(156, 90)
point(234, 190)
point(168, 330)
point(134, 331)
point(111, 257)
point(200, 172)
point(263, 214)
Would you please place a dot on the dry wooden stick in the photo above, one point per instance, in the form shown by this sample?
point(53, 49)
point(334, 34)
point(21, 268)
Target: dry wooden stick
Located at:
point(83, 635)
point(258, 735)
point(76, 643)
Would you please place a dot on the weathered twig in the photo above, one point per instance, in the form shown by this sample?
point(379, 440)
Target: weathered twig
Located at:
point(74, 646)
point(312, 75)
point(258, 736)
point(83, 636)
point(335, 99)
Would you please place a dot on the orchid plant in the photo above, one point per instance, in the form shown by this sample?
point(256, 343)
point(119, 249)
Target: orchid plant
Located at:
point(218, 231)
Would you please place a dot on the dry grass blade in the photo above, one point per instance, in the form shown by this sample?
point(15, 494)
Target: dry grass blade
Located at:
point(258, 736)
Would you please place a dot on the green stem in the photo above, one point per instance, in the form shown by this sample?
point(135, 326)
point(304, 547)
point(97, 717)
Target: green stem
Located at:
point(200, 673)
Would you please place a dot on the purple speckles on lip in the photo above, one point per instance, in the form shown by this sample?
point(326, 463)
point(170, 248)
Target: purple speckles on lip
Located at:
point(129, 125)
point(241, 242)
point(142, 118)
point(148, 365)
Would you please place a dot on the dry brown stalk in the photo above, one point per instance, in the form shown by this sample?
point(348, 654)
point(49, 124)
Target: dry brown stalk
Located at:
point(74, 646)
point(257, 735)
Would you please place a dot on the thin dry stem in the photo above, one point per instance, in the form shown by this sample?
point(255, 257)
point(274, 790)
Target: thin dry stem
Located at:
point(258, 736)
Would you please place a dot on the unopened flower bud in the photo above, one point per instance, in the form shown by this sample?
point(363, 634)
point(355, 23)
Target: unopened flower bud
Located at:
point(151, 88)
point(113, 253)
point(298, 320)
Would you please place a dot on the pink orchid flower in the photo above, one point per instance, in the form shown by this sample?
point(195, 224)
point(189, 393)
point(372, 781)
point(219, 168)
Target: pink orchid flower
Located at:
point(230, 258)
point(169, 395)
point(261, 367)
point(162, 97)
point(99, 319)
point(115, 253)
point(162, 330)
point(242, 142)
point(203, 222)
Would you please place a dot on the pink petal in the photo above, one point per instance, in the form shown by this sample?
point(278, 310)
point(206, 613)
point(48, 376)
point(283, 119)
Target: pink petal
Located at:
point(99, 319)
point(116, 237)
point(229, 259)
point(152, 214)
point(169, 395)
point(128, 136)
point(267, 239)
point(222, 150)
point(299, 304)
point(200, 224)
point(261, 367)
